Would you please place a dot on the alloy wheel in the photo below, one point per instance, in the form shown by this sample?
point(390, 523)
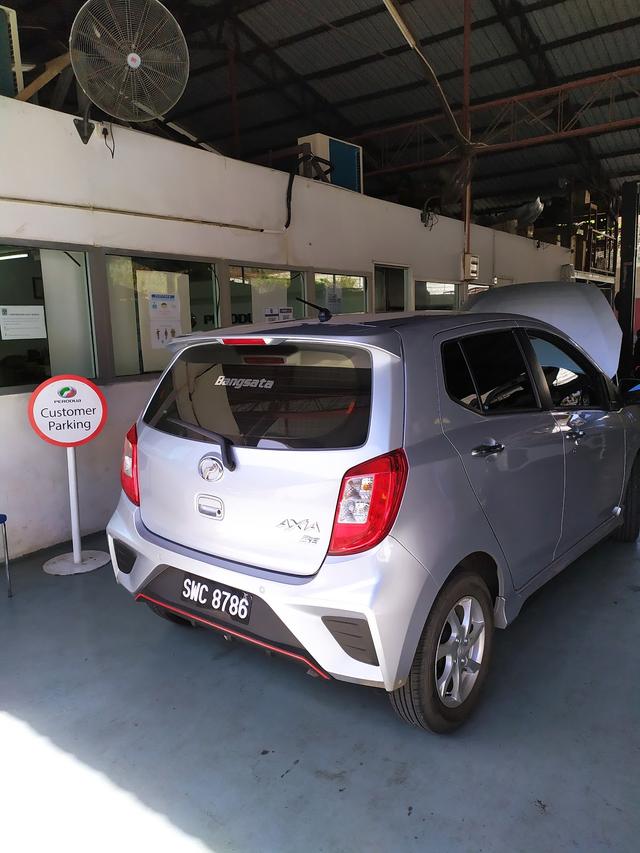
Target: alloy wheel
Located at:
point(460, 651)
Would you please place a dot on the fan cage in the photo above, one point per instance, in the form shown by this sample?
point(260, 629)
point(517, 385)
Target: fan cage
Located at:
point(130, 57)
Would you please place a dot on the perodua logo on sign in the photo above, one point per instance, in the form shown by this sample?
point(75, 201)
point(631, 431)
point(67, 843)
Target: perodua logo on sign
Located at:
point(67, 392)
point(210, 469)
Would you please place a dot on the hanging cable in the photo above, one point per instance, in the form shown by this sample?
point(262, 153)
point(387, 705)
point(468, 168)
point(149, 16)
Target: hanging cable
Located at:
point(105, 135)
point(431, 74)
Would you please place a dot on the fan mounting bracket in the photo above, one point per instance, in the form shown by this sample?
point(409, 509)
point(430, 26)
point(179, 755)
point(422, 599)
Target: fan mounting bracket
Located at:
point(85, 128)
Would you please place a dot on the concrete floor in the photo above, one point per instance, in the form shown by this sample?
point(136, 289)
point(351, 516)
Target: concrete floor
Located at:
point(120, 731)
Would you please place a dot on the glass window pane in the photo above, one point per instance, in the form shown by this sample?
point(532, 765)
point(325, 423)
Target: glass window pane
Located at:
point(307, 396)
point(500, 372)
point(341, 294)
point(457, 378)
point(435, 295)
point(571, 385)
point(153, 301)
point(45, 321)
point(262, 294)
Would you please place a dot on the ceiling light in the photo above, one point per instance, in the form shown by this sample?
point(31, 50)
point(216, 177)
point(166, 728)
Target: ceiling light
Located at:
point(13, 257)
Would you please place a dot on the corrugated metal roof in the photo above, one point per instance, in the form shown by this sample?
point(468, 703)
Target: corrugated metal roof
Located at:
point(577, 16)
point(589, 55)
point(343, 66)
point(349, 43)
point(279, 19)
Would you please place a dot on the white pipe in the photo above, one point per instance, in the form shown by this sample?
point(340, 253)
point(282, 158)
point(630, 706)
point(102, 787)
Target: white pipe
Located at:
point(73, 504)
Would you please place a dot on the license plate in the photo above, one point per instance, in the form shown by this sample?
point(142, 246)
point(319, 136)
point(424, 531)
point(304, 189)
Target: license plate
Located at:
point(219, 599)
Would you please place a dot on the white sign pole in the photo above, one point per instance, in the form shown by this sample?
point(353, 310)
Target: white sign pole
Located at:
point(73, 504)
point(68, 411)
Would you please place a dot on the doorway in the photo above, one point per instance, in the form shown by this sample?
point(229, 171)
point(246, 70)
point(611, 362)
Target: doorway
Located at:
point(390, 288)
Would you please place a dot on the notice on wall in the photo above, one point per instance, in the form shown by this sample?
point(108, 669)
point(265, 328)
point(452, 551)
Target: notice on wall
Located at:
point(164, 318)
point(273, 315)
point(22, 322)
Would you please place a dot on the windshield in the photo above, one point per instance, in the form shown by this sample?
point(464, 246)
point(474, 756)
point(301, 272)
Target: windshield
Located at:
point(281, 396)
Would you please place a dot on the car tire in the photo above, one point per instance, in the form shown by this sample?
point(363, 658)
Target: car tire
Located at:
point(168, 615)
point(428, 699)
point(630, 527)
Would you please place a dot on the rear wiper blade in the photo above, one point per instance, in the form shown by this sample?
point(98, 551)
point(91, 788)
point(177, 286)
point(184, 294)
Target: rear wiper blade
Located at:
point(225, 443)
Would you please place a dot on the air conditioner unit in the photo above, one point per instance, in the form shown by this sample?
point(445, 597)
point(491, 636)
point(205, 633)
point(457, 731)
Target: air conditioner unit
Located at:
point(11, 80)
point(345, 157)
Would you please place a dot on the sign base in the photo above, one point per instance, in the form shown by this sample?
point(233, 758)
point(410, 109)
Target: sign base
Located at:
point(63, 564)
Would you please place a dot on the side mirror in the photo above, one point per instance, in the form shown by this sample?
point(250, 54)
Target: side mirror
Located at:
point(629, 392)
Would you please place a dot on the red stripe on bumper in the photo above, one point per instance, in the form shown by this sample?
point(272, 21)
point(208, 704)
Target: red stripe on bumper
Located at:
point(227, 630)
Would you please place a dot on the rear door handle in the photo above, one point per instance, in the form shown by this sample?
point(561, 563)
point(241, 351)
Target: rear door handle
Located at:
point(487, 449)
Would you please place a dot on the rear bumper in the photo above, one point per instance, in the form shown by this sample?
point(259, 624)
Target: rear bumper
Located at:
point(379, 599)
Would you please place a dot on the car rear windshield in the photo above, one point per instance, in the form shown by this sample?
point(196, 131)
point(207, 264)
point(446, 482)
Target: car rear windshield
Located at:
point(279, 396)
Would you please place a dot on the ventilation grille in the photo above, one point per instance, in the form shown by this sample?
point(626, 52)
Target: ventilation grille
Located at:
point(11, 79)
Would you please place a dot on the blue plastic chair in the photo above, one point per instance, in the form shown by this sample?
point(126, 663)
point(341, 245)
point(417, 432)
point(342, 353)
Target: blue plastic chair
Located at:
point(3, 524)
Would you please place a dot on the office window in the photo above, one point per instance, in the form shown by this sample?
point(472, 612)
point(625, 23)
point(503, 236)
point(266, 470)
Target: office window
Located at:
point(154, 300)
point(341, 294)
point(259, 295)
point(435, 295)
point(45, 319)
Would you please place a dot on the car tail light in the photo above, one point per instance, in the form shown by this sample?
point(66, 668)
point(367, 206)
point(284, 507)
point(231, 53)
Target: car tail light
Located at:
point(129, 470)
point(370, 497)
point(244, 342)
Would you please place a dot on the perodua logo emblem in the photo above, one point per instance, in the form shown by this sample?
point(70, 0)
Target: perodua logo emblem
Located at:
point(210, 469)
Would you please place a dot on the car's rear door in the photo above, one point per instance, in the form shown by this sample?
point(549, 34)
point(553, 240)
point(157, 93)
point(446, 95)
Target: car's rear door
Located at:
point(593, 434)
point(297, 414)
point(511, 448)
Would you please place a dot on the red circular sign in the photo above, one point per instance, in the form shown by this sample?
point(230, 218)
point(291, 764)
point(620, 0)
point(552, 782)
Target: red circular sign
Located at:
point(67, 410)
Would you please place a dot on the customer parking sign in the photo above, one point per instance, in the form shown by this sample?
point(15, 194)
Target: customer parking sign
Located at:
point(67, 410)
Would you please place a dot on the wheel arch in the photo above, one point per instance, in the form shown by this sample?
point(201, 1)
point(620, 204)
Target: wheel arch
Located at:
point(479, 562)
point(484, 565)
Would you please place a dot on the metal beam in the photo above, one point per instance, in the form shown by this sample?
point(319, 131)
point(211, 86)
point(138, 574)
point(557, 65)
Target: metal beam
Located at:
point(378, 9)
point(432, 117)
point(534, 55)
point(337, 24)
point(630, 211)
point(616, 73)
point(322, 107)
point(512, 145)
point(600, 75)
point(61, 90)
point(51, 70)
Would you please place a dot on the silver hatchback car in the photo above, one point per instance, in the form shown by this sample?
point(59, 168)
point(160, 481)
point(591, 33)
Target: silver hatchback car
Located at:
point(372, 499)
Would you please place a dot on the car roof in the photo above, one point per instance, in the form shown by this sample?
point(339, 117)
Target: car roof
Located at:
point(353, 326)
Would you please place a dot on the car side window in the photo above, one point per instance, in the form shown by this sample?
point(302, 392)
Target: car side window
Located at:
point(488, 373)
point(572, 382)
point(500, 372)
point(457, 378)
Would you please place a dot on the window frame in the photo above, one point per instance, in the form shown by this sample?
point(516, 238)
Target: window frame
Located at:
point(90, 253)
point(514, 332)
point(364, 276)
point(574, 353)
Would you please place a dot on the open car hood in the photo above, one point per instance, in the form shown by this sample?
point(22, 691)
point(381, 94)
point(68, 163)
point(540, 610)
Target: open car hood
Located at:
point(578, 310)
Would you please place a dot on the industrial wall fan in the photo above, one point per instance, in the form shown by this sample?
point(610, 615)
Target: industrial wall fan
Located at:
point(130, 58)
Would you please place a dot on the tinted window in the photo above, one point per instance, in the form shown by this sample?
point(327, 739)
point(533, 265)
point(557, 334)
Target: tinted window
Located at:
point(457, 377)
point(572, 382)
point(500, 372)
point(280, 396)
